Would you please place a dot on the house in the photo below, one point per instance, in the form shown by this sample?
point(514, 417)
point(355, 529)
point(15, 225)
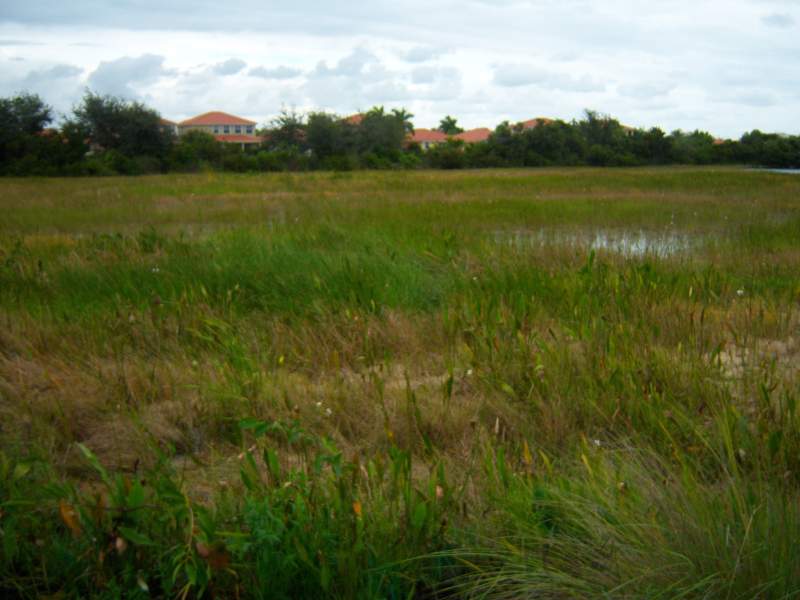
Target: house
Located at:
point(354, 119)
point(427, 138)
point(167, 126)
point(226, 128)
point(473, 136)
point(534, 123)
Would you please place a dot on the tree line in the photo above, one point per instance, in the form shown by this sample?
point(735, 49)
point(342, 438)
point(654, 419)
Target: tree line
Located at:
point(106, 135)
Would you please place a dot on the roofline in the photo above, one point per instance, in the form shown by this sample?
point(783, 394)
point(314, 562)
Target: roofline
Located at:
point(211, 112)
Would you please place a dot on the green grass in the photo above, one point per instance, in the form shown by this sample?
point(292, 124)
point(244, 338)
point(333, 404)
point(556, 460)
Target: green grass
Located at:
point(387, 385)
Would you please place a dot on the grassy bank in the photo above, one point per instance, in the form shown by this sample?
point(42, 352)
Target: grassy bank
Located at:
point(555, 383)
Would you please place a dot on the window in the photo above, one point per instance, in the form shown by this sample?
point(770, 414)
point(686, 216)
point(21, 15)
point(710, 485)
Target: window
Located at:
point(216, 128)
point(238, 129)
point(227, 129)
point(249, 129)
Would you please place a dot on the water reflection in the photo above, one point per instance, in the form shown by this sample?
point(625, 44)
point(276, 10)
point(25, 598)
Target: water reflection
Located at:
point(627, 243)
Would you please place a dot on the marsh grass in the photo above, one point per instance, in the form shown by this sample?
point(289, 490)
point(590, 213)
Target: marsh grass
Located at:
point(346, 385)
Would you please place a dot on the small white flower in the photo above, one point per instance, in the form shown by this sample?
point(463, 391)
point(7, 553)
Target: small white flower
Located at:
point(597, 443)
point(319, 404)
point(328, 412)
point(155, 270)
point(131, 319)
point(474, 279)
point(469, 372)
point(740, 292)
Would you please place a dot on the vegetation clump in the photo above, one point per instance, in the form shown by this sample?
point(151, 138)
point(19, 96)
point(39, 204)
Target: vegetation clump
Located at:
point(483, 384)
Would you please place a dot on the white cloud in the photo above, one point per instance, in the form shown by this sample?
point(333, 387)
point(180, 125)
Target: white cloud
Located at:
point(516, 75)
point(646, 89)
point(670, 63)
point(275, 73)
point(125, 76)
point(779, 20)
point(232, 66)
point(420, 54)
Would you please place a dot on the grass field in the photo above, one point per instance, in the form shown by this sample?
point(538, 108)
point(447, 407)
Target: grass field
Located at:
point(499, 384)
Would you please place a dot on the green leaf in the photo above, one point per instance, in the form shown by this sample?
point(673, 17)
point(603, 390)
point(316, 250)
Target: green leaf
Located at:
point(135, 537)
point(93, 460)
point(419, 516)
point(508, 390)
point(20, 470)
point(136, 496)
point(258, 426)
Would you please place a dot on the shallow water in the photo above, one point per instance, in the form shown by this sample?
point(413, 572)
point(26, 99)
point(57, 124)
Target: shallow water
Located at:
point(782, 171)
point(628, 243)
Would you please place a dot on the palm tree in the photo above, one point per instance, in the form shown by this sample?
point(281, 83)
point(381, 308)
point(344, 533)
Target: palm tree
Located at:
point(449, 125)
point(405, 117)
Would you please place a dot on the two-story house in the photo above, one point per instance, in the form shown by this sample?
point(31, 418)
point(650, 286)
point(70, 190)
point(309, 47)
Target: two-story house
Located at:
point(226, 128)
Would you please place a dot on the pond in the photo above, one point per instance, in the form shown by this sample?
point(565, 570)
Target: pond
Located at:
point(628, 243)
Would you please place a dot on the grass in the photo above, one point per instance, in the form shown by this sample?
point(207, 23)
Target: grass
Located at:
point(400, 385)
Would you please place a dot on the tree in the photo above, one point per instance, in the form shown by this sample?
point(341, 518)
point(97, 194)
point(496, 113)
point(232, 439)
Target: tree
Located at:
point(327, 135)
point(287, 131)
point(449, 126)
point(24, 114)
point(405, 118)
point(25, 147)
point(381, 134)
point(194, 150)
point(129, 127)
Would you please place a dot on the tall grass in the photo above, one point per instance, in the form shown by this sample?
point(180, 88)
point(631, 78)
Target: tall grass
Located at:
point(400, 385)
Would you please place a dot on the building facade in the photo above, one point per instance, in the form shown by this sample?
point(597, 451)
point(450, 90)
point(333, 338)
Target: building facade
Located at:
point(226, 128)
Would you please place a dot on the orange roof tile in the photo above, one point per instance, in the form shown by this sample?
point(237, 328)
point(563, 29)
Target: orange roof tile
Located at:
point(239, 139)
point(354, 119)
point(474, 136)
point(427, 135)
point(533, 123)
point(216, 118)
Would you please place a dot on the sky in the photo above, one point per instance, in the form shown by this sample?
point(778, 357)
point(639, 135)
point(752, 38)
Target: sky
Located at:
point(723, 66)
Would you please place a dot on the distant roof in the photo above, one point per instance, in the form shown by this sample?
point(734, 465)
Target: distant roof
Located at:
point(216, 118)
point(427, 135)
point(164, 121)
point(474, 136)
point(354, 119)
point(239, 139)
point(533, 123)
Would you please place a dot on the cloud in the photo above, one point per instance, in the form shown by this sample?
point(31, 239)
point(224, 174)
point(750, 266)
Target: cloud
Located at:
point(351, 65)
point(229, 67)
point(646, 89)
point(357, 80)
point(61, 71)
point(424, 74)
point(440, 83)
point(518, 75)
point(19, 43)
point(281, 72)
point(780, 21)
point(127, 76)
point(748, 98)
point(420, 54)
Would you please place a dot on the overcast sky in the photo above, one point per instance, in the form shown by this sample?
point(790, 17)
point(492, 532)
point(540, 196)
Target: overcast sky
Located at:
point(725, 66)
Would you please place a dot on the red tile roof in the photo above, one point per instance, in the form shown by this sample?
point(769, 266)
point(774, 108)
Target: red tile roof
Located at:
point(474, 136)
point(533, 123)
point(427, 135)
point(239, 139)
point(354, 119)
point(216, 118)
